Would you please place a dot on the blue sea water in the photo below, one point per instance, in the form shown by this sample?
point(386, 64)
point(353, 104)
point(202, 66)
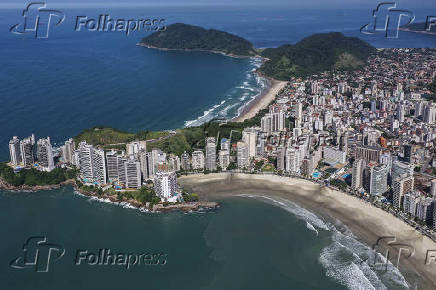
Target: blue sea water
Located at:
point(249, 243)
point(77, 79)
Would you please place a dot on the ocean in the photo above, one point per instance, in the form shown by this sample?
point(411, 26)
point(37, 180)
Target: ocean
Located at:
point(248, 243)
point(75, 80)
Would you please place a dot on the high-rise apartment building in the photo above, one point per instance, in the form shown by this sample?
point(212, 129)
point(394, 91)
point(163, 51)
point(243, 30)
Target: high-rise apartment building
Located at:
point(45, 154)
point(210, 153)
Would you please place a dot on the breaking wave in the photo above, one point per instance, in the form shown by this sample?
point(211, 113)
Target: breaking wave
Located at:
point(346, 260)
point(233, 102)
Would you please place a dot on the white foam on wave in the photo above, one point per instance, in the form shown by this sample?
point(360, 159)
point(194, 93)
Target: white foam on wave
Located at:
point(123, 204)
point(252, 85)
point(346, 260)
point(207, 115)
point(311, 227)
point(291, 207)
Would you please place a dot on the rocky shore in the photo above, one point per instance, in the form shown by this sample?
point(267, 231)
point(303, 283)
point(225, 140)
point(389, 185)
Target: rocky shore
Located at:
point(132, 203)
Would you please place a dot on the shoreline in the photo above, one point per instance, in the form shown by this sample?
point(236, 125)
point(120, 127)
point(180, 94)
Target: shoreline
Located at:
point(196, 50)
point(129, 203)
point(261, 101)
point(367, 222)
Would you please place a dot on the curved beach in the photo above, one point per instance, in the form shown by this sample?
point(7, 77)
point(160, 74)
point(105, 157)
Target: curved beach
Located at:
point(367, 222)
point(261, 102)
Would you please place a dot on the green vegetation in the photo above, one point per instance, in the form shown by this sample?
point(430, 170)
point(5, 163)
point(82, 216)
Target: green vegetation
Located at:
point(314, 54)
point(33, 177)
point(104, 136)
point(188, 37)
point(432, 88)
point(186, 139)
point(190, 197)
point(339, 184)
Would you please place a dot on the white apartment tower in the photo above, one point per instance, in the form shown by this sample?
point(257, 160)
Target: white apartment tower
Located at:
point(68, 151)
point(357, 173)
point(165, 183)
point(242, 155)
point(197, 161)
point(249, 136)
point(14, 151)
point(210, 153)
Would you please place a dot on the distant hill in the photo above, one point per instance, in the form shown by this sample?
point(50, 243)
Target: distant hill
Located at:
point(419, 27)
point(181, 36)
point(316, 53)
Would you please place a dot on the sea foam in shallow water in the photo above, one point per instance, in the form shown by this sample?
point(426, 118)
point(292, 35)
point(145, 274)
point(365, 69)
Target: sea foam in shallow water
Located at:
point(236, 98)
point(345, 260)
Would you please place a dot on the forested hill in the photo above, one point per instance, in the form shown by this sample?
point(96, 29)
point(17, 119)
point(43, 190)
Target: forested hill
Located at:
point(316, 53)
point(188, 37)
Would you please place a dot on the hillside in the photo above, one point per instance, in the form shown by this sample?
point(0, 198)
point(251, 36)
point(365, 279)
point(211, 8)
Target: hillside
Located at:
point(181, 36)
point(316, 53)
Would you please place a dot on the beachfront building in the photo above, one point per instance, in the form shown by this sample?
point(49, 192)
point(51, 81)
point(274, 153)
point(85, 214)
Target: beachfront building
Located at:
point(292, 160)
point(197, 160)
point(68, 151)
point(249, 136)
point(280, 162)
point(410, 202)
point(112, 165)
point(376, 179)
point(14, 151)
point(45, 154)
point(132, 169)
point(357, 174)
point(242, 156)
point(165, 184)
point(98, 166)
point(224, 159)
point(210, 153)
point(142, 158)
point(185, 161)
point(92, 164)
point(174, 162)
point(225, 144)
point(26, 149)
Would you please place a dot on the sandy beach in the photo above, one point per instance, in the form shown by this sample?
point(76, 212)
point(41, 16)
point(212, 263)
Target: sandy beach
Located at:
point(367, 222)
point(261, 102)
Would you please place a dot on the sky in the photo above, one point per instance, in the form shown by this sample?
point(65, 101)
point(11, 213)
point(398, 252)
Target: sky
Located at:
point(311, 4)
